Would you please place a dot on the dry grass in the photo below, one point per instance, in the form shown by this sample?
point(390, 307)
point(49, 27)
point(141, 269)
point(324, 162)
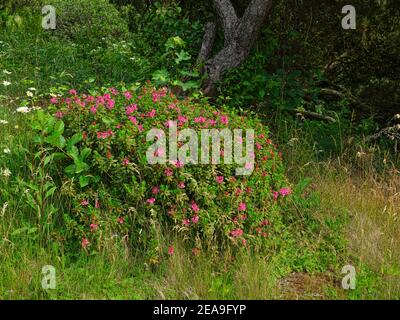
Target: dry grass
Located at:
point(372, 201)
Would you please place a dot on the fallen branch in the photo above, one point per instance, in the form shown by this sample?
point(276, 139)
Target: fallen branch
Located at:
point(391, 132)
point(314, 115)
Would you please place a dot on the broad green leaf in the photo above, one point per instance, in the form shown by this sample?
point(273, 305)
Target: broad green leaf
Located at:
point(84, 181)
point(77, 137)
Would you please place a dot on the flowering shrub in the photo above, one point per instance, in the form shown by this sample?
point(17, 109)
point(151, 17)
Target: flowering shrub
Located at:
point(99, 142)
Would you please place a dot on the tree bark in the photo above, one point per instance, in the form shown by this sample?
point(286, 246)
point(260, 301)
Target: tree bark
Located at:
point(239, 37)
point(208, 42)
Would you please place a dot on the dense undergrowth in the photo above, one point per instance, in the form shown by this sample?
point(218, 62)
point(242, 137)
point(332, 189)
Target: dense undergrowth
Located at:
point(76, 191)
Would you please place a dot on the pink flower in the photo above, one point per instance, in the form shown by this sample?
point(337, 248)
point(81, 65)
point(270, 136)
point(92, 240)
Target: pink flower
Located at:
point(181, 185)
point(53, 100)
point(224, 120)
point(242, 206)
point(72, 92)
point(90, 99)
point(186, 222)
point(156, 96)
point(285, 192)
point(151, 200)
point(264, 223)
point(125, 162)
point(236, 233)
point(104, 134)
point(195, 219)
point(168, 172)
point(182, 119)
point(248, 166)
point(133, 119)
point(97, 204)
point(171, 250)
point(84, 203)
point(93, 227)
point(152, 113)
point(219, 179)
point(244, 242)
point(85, 243)
point(131, 109)
point(178, 164)
point(155, 190)
point(199, 120)
point(93, 109)
point(140, 127)
point(59, 114)
point(127, 95)
point(258, 146)
point(114, 91)
point(195, 207)
point(159, 152)
point(238, 192)
point(110, 104)
point(120, 220)
point(276, 195)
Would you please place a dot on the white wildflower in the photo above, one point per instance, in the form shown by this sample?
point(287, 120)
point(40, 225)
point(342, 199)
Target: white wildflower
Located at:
point(3, 210)
point(29, 93)
point(360, 154)
point(6, 150)
point(3, 121)
point(32, 89)
point(6, 83)
point(6, 71)
point(23, 110)
point(6, 172)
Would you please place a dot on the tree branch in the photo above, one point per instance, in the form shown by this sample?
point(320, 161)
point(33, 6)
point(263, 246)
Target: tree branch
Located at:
point(253, 18)
point(210, 31)
point(226, 12)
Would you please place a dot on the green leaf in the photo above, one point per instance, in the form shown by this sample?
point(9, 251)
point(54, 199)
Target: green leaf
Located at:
point(74, 153)
point(85, 153)
point(77, 137)
point(19, 231)
point(161, 76)
point(50, 192)
point(84, 181)
point(56, 140)
point(182, 56)
point(70, 170)
point(59, 156)
point(81, 167)
point(59, 127)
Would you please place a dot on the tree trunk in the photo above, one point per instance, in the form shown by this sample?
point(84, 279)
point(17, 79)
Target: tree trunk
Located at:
point(239, 37)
